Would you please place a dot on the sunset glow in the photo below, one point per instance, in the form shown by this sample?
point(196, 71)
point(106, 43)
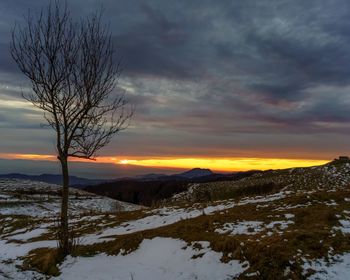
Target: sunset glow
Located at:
point(124, 161)
point(28, 156)
point(224, 164)
point(214, 163)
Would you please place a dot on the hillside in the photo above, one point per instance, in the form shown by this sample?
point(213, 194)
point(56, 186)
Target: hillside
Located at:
point(152, 189)
point(39, 199)
point(279, 224)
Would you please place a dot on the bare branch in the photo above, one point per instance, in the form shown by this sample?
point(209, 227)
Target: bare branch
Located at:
point(73, 73)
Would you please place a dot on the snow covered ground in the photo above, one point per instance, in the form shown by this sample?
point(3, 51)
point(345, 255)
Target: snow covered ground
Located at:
point(10, 259)
point(39, 199)
point(157, 218)
point(159, 258)
point(155, 259)
point(254, 227)
point(338, 269)
point(170, 215)
point(245, 227)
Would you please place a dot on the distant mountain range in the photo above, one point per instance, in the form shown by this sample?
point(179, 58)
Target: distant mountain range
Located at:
point(151, 188)
point(79, 181)
point(53, 179)
point(193, 173)
point(145, 189)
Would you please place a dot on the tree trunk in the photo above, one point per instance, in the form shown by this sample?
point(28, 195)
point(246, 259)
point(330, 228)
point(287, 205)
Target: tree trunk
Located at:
point(64, 233)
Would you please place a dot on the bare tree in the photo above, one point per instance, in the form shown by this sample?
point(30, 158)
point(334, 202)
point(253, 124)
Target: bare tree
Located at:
point(72, 70)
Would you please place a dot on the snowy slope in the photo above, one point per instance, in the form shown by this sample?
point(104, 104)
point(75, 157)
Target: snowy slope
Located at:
point(297, 229)
point(156, 259)
point(23, 197)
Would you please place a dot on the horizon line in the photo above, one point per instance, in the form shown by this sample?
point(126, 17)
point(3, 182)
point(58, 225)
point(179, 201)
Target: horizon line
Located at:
point(219, 164)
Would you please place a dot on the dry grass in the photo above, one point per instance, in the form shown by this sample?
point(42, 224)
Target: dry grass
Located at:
point(44, 260)
point(272, 253)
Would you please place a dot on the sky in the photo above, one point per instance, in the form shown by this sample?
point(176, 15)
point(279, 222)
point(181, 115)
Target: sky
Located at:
point(235, 85)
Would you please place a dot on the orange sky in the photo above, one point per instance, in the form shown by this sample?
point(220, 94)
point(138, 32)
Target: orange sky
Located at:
point(213, 163)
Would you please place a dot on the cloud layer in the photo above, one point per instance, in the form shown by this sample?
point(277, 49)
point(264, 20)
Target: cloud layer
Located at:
point(255, 78)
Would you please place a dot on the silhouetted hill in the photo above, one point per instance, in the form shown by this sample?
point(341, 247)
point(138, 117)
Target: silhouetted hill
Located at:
point(195, 173)
point(140, 192)
point(190, 174)
point(146, 191)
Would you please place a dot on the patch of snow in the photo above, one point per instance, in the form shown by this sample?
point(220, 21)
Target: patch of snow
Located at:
point(10, 271)
point(246, 227)
point(170, 215)
point(338, 269)
point(252, 274)
point(253, 227)
point(29, 234)
point(14, 250)
point(289, 216)
point(288, 207)
point(39, 199)
point(281, 224)
point(155, 259)
point(331, 203)
point(267, 198)
point(345, 226)
point(162, 217)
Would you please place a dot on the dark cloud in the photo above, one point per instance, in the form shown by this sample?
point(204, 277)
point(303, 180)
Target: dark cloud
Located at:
point(233, 69)
point(159, 46)
point(6, 63)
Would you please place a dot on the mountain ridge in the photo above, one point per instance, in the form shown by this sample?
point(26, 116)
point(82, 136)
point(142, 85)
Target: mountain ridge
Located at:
point(81, 181)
